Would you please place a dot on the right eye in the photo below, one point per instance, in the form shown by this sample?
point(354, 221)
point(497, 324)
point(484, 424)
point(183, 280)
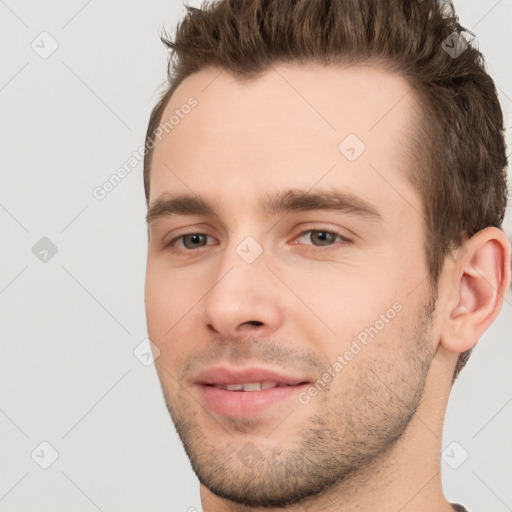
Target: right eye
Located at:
point(189, 242)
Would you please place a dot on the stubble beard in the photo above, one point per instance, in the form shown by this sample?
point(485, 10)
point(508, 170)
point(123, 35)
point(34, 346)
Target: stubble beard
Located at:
point(350, 431)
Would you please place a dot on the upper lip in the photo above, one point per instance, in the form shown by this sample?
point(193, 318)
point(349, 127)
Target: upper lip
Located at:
point(224, 376)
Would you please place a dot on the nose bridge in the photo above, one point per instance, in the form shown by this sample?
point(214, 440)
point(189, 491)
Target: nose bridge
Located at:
point(242, 290)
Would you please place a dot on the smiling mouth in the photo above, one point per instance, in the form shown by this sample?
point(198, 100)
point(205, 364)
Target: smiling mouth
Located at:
point(239, 392)
point(252, 386)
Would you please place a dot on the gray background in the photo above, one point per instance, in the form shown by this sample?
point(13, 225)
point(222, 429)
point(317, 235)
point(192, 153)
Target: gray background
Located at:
point(69, 326)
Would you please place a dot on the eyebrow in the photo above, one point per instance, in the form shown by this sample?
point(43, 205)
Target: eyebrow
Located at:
point(294, 200)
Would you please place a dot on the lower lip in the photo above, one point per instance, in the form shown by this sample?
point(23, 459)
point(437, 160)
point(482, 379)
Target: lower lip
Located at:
point(240, 404)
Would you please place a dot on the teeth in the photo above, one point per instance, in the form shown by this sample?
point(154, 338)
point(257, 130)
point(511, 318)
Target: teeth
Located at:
point(251, 386)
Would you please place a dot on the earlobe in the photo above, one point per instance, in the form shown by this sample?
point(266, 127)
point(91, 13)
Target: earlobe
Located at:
point(479, 283)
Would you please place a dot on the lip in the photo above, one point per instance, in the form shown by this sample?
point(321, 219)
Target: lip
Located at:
point(223, 375)
point(239, 404)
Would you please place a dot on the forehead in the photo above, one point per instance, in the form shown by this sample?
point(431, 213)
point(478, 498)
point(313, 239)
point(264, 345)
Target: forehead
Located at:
point(294, 126)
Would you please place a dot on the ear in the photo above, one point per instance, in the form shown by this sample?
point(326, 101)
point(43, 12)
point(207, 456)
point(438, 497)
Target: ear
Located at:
point(476, 289)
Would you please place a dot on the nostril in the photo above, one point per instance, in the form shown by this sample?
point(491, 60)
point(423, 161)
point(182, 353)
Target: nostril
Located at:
point(255, 322)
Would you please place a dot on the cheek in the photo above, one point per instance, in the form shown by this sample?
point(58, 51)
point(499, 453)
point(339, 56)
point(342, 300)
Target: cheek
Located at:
point(369, 358)
point(162, 305)
point(156, 302)
point(169, 294)
point(346, 298)
point(356, 319)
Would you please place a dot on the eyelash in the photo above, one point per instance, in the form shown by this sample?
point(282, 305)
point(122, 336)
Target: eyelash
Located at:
point(314, 248)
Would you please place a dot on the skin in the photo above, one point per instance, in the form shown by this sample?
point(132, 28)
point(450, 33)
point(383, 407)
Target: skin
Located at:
point(371, 439)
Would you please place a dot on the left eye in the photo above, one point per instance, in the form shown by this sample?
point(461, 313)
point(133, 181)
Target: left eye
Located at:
point(322, 237)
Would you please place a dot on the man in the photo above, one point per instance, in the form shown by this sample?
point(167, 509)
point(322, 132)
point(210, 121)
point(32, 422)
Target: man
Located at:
point(325, 185)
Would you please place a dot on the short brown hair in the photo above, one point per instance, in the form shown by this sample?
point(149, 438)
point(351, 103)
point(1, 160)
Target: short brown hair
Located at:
point(461, 164)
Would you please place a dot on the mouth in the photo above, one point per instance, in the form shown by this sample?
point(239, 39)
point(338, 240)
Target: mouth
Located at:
point(239, 393)
point(251, 386)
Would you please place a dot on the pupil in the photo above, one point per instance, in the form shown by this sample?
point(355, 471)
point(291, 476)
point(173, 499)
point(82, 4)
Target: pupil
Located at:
point(323, 236)
point(194, 239)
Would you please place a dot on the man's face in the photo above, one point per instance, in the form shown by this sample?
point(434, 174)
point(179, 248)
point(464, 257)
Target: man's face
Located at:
point(268, 286)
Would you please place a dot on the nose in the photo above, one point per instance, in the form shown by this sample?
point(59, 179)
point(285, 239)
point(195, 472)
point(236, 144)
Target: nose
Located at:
point(243, 299)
